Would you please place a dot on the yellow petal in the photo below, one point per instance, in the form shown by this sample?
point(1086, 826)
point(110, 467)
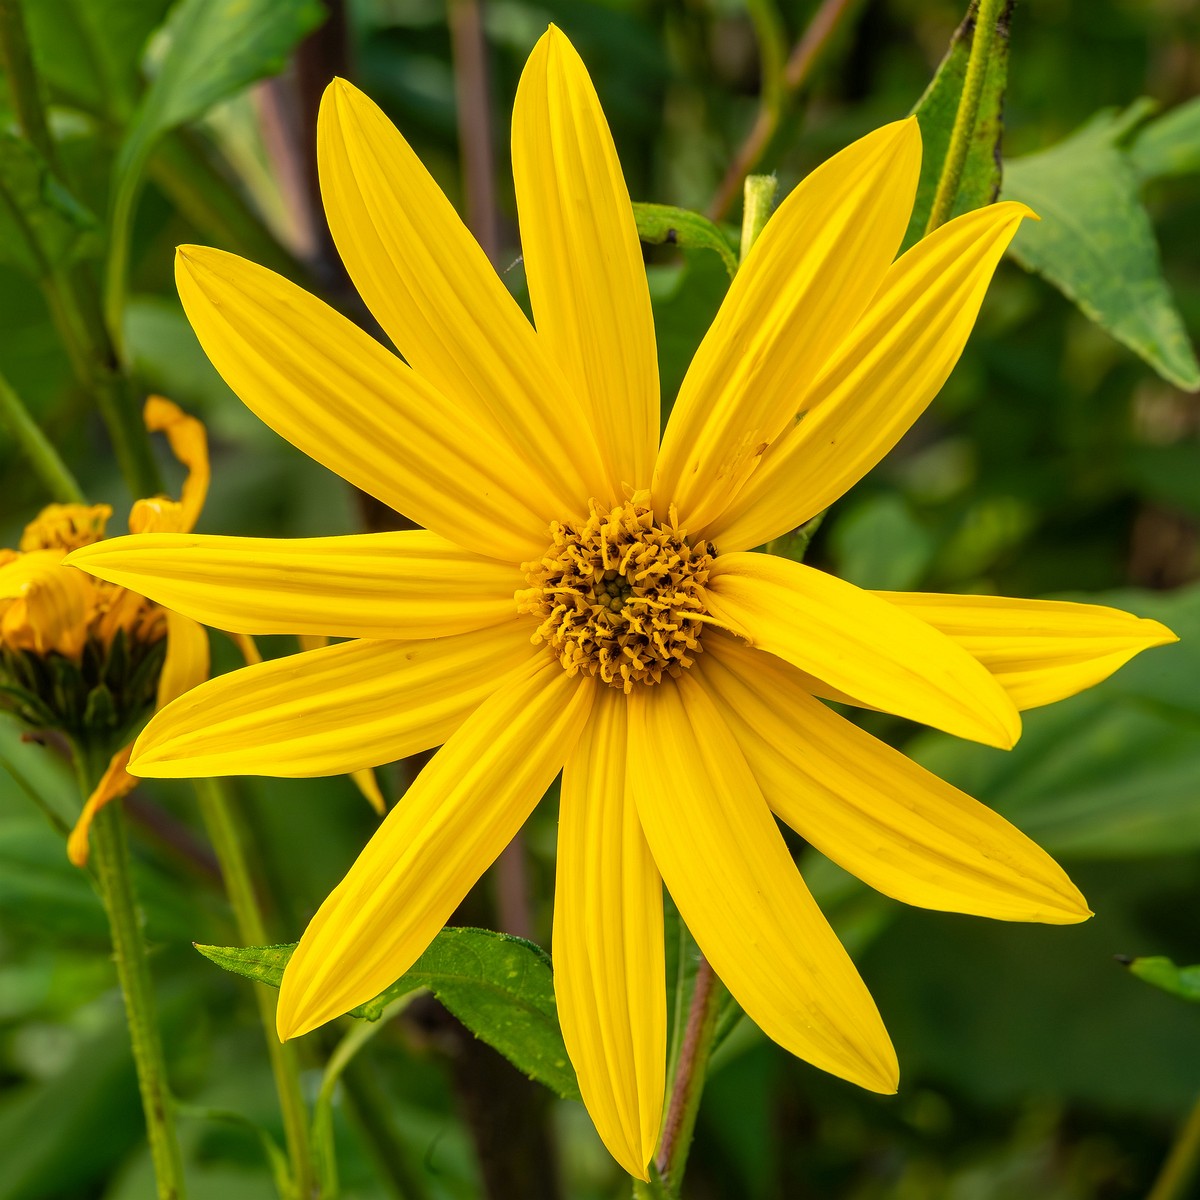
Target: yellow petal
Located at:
point(51, 604)
point(368, 785)
point(729, 872)
point(441, 302)
point(65, 526)
point(186, 663)
point(339, 396)
point(876, 813)
point(412, 584)
point(583, 260)
point(330, 711)
point(461, 811)
point(114, 783)
point(1038, 650)
point(877, 382)
point(853, 641)
point(189, 444)
point(807, 280)
point(608, 942)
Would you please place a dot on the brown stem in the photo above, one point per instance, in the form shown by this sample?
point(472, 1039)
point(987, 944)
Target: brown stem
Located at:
point(796, 72)
point(474, 123)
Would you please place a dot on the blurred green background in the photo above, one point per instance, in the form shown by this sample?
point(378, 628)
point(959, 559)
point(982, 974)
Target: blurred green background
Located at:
point(1055, 462)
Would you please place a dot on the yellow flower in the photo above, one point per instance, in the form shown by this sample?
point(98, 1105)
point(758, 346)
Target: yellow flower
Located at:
point(581, 598)
point(48, 609)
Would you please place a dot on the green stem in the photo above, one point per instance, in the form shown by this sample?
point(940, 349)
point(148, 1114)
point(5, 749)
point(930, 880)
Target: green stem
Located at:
point(110, 855)
point(688, 1085)
point(23, 83)
point(1178, 1172)
point(223, 832)
point(756, 211)
point(51, 469)
point(986, 14)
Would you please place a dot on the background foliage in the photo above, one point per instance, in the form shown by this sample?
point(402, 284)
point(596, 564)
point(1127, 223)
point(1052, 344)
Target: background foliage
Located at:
point(1060, 459)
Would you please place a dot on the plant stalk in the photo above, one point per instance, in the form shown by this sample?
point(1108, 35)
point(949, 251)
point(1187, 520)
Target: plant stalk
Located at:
point(987, 13)
point(50, 468)
point(1183, 1162)
point(110, 857)
point(756, 209)
point(221, 824)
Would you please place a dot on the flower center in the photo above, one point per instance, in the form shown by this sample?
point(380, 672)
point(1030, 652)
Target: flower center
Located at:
point(618, 595)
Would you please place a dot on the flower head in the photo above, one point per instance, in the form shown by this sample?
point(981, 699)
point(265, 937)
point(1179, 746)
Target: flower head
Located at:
point(581, 597)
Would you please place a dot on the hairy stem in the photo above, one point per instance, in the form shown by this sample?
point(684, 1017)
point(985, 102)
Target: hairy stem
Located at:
point(986, 14)
point(221, 824)
point(110, 857)
point(50, 468)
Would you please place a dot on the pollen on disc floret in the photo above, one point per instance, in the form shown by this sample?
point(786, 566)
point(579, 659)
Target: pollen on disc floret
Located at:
point(620, 595)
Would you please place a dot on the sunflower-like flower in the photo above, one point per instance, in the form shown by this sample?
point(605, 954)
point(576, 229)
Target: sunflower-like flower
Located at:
point(91, 659)
point(581, 598)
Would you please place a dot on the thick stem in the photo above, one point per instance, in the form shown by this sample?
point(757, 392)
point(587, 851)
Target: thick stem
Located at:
point(688, 1085)
point(51, 469)
point(23, 83)
point(1183, 1163)
point(986, 14)
point(217, 814)
point(778, 88)
point(110, 857)
point(756, 209)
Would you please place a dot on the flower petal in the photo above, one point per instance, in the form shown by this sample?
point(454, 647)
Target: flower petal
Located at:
point(438, 298)
point(330, 711)
point(187, 659)
point(806, 281)
point(339, 396)
point(114, 783)
point(880, 379)
point(412, 584)
point(883, 818)
point(461, 811)
point(853, 641)
point(725, 864)
point(609, 961)
point(1038, 650)
point(583, 261)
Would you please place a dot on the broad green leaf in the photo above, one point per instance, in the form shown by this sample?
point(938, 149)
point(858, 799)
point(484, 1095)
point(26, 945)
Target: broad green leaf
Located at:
point(1183, 982)
point(89, 52)
point(1095, 243)
point(1170, 145)
point(935, 113)
point(879, 543)
point(42, 226)
point(661, 224)
point(1111, 773)
point(500, 987)
point(217, 47)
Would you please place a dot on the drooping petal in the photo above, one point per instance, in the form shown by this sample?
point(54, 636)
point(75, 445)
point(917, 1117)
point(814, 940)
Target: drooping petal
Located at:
point(878, 381)
point(114, 783)
point(583, 261)
point(441, 302)
point(189, 443)
point(338, 395)
point(186, 663)
point(463, 809)
point(728, 870)
point(330, 711)
point(872, 810)
point(368, 785)
point(411, 584)
point(50, 605)
point(1038, 650)
point(608, 942)
point(806, 281)
point(852, 640)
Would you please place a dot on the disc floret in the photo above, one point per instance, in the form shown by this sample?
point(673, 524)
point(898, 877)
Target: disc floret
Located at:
point(620, 595)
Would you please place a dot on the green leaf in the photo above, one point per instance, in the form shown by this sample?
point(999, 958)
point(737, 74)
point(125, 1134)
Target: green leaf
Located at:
point(1169, 147)
point(500, 987)
point(1095, 243)
point(1183, 982)
point(1108, 774)
point(935, 113)
point(660, 224)
point(90, 51)
point(42, 226)
point(879, 543)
